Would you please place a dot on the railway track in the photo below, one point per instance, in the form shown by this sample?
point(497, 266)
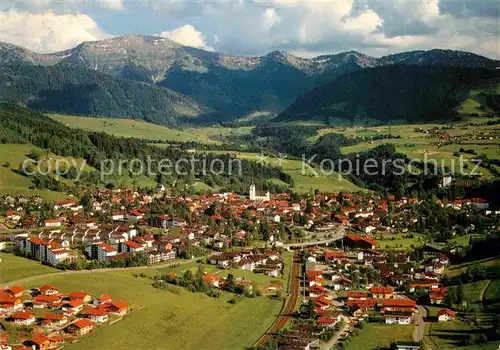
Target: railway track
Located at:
point(290, 304)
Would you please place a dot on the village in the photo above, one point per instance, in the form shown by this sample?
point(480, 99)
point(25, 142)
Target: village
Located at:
point(47, 318)
point(358, 258)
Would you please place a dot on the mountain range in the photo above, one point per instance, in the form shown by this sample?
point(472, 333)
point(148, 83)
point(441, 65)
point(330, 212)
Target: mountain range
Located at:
point(218, 86)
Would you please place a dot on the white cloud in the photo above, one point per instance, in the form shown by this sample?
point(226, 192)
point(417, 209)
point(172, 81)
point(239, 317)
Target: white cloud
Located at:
point(187, 35)
point(270, 18)
point(61, 6)
point(48, 32)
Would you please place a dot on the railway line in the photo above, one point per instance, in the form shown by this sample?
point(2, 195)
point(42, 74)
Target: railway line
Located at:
point(290, 303)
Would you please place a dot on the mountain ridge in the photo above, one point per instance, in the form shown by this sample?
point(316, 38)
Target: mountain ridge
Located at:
point(233, 86)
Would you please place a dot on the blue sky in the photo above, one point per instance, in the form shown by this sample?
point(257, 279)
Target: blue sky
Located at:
point(255, 27)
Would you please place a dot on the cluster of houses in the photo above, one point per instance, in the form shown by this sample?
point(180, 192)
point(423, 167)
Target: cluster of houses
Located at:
point(255, 260)
point(67, 316)
point(330, 274)
point(57, 246)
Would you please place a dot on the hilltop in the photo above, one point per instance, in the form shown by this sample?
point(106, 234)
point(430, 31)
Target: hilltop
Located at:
point(233, 86)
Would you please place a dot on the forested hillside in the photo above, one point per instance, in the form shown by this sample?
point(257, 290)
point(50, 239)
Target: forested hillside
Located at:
point(80, 91)
point(20, 125)
point(393, 93)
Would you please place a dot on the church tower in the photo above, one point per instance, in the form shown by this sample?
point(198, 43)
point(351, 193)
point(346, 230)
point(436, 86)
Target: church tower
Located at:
point(252, 192)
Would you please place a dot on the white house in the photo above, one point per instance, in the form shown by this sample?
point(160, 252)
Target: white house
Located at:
point(445, 315)
point(23, 318)
point(398, 319)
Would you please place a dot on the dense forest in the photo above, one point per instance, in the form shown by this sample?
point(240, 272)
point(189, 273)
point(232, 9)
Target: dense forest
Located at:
point(393, 93)
point(79, 91)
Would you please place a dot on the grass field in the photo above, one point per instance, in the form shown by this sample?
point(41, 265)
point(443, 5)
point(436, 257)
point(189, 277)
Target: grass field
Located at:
point(451, 335)
point(400, 241)
point(14, 267)
point(374, 335)
point(16, 184)
point(141, 129)
point(163, 319)
point(474, 291)
point(417, 145)
point(456, 270)
point(304, 178)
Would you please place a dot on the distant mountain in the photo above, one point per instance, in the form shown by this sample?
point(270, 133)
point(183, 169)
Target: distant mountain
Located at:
point(77, 91)
point(392, 93)
point(234, 86)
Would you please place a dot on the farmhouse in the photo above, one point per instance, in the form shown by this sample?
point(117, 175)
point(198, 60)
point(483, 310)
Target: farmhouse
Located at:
point(53, 319)
point(23, 318)
point(83, 296)
point(15, 291)
point(118, 307)
point(382, 292)
point(43, 342)
point(9, 303)
point(96, 315)
point(81, 327)
point(445, 315)
point(42, 301)
point(73, 307)
point(398, 317)
point(357, 241)
point(48, 290)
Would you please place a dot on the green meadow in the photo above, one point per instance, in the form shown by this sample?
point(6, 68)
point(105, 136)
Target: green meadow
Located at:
point(166, 319)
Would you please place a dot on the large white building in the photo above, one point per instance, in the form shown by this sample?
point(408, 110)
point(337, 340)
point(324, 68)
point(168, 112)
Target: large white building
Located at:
point(259, 195)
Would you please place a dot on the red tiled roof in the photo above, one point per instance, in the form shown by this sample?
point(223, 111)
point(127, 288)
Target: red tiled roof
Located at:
point(357, 295)
point(104, 297)
point(36, 240)
point(95, 312)
point(53, 316)
point(47, 298)
point(120, 304)
point(6, 298)
point(357, 238)
point(446, 312)
point(15, 289)
point(74, 303)
point(399, 303)
point(83, 323)
point(133, 244)
point(22, 315)
point(46, 288)
point(362, 303)
point(381, 290)
point(326, 320)
point(106, 247)
point(334, 255)
point(78, 295)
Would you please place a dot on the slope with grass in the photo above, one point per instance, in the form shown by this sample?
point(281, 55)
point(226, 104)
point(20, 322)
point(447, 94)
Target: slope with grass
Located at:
point(15, 184)
point(306, 179)
point(162, 319)
point(134, 128)
point(14, 267)
point(373, 336)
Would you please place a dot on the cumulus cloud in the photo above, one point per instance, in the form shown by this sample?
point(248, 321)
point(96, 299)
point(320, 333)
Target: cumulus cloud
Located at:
point(256, 27)
point(47, 31)
point(187, 35)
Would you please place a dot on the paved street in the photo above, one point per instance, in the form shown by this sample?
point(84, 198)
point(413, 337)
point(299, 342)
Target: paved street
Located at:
point(418, 333)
